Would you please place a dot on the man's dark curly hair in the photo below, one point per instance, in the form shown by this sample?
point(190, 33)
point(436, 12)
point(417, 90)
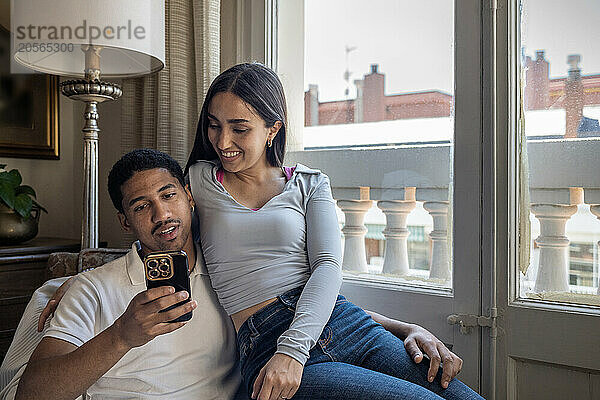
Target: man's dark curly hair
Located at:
point(136, 161)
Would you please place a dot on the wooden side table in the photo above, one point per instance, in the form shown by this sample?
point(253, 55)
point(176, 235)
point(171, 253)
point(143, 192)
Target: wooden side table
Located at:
point(22, 271)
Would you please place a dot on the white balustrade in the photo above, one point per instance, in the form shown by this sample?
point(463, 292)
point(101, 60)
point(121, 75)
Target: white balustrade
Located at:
point(439, 265)
point(396, 235)
point(354, 230)
point(553, 269)
point(595, 209)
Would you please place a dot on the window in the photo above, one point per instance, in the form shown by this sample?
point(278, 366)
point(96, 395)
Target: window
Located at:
point(379, 120)
point(560, 114)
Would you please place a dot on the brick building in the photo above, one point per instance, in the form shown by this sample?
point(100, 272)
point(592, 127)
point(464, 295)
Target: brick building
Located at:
point(571, 93)
point(371, 104)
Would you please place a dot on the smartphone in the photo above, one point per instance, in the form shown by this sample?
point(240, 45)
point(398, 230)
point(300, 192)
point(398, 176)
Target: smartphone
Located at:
point(169, 268)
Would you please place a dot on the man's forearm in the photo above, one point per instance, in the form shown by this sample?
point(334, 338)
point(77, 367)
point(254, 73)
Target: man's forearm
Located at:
point(398, 328)
point(67, 376)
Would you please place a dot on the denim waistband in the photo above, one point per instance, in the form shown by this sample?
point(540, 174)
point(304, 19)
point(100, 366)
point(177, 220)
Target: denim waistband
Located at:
point(288, 299)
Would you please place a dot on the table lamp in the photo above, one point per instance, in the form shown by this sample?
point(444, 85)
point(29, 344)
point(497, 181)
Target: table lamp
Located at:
point(84, 39)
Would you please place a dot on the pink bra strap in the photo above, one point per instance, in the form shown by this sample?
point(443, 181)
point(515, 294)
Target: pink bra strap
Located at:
point(220, 174)
point(289, 171)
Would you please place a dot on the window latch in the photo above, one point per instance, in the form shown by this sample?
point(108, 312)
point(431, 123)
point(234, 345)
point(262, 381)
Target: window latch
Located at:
point(468, 321)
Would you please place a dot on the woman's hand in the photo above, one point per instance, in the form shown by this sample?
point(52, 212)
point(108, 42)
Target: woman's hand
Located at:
point(421, 340)
point(278, 379)
point(53, 303)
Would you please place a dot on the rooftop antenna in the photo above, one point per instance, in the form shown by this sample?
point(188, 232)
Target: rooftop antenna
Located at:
point(347, 73)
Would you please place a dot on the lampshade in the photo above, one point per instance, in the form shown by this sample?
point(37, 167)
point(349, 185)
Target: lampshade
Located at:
point(48, 35)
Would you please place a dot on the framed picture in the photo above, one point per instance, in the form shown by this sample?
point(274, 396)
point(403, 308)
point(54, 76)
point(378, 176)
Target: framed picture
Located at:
point(28, 110)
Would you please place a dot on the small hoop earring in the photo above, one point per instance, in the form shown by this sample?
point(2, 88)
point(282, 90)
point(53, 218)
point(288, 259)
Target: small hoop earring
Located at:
point(270, 142)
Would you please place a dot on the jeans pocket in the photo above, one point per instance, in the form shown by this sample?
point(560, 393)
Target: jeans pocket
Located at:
point(344, 332)
point(340, 300)
point(328, 336)
point(326, 341)
point(325, 337)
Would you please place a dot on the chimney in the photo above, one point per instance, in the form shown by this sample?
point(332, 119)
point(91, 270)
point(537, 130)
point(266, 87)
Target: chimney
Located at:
point(573, 96)
point(358, 104)
point(311, 105)
point(537, 81)
point(373, 103)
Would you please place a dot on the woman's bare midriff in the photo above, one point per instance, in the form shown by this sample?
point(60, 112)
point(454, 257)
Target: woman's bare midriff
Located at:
point(240, 317)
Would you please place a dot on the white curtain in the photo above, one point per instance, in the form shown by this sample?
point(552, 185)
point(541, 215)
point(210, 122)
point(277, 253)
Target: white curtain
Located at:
point(161, 111)
point(524, 198)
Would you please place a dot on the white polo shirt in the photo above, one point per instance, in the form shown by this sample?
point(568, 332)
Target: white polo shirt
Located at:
point(197, 361)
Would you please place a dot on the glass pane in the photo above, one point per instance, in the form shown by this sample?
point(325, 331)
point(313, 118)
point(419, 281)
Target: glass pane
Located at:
point(561, 110)
point(379, 120)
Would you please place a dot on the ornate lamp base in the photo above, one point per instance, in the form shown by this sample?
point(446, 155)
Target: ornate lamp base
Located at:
point(91, 91)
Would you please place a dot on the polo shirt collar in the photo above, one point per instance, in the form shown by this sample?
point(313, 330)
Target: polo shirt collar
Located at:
point(135, 266)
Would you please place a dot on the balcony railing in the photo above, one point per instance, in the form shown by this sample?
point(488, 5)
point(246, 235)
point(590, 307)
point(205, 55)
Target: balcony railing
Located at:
point(394, 180)
point(562, 173)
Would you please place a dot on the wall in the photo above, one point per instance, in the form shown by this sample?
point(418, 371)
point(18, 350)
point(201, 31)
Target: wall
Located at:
point(59, 183)
point(54, 180)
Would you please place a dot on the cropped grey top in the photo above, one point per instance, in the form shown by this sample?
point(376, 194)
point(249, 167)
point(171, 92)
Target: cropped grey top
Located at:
point(253, 256)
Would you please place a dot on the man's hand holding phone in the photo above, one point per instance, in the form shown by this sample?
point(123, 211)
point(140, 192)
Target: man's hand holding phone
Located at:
point(142, 321)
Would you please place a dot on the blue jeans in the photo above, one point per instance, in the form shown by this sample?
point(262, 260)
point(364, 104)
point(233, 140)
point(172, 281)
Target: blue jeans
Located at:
point(355, 357)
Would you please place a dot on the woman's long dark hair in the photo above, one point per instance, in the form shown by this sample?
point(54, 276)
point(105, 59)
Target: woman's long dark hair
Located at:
point(259, 87)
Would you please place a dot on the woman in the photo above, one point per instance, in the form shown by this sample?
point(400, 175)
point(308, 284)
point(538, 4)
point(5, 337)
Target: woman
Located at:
point(271, 242)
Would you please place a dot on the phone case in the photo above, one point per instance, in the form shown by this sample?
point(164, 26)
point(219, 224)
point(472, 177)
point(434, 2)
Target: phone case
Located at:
point(169, 269)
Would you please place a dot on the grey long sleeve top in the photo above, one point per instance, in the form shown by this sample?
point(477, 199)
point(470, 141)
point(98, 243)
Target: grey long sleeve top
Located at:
point(253, 256)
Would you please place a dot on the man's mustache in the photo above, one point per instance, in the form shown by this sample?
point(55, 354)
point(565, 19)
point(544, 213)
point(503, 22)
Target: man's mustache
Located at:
point(169, 221)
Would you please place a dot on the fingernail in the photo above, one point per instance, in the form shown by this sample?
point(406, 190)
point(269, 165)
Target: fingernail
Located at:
point(183, 295)
point(430, 379)
point(171, 290)
point(445, 385)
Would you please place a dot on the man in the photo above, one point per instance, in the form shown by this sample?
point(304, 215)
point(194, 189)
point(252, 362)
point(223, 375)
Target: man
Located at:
point(108, 337)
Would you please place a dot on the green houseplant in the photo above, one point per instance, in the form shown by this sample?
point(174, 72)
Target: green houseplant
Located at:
point(19, 212)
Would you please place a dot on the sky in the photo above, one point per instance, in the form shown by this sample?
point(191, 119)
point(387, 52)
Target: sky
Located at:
point(563, 27)
point(412, 41)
